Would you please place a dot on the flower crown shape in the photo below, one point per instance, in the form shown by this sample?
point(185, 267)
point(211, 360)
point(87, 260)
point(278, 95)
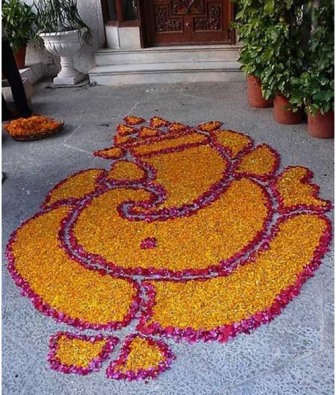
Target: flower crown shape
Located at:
point(193, 233)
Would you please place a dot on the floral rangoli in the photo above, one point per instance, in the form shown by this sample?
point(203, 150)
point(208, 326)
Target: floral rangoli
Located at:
point(192, 234)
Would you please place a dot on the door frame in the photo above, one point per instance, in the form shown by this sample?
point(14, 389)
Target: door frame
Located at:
point(145, 28)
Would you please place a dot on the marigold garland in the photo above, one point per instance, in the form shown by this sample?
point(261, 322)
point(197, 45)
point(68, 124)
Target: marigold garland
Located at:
point(195, 235)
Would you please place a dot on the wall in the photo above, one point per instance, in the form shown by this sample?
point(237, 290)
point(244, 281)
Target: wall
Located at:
point(91, 13)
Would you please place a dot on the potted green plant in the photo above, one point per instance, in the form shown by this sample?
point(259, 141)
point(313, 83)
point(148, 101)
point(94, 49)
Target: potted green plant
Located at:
point(285, 58)
point(19, 24)
point(63, 32)
point(251, 26)
point(316, 85)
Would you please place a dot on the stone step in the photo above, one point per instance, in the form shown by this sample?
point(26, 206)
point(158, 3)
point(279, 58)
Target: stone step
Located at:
point(172, 72)
point(167, 54)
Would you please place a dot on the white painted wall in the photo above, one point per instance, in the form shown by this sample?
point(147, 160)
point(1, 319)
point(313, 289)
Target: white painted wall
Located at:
point(91, 13)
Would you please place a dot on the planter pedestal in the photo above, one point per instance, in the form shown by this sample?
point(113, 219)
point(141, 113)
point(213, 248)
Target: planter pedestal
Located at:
point(65, 45)
point(282, 114)
point(254, 94)
point(321, 125)
point(68, 74)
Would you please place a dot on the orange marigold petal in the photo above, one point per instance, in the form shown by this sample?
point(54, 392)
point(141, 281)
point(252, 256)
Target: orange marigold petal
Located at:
point(209, 126)
point(262, 162)
point(124, 130)
point(249, 289)
point(158, 122)
point(167, 142)
point(120, 140)
point(79, 353)
point(34, 125)
point(295, 189)
point(140, 357)
point(132, 120)
point(177, 127)
point(228, 230)
point(149, 132)
point(125, 170)
point(74, 187)
point(110, 153)
point(205, 167)
point(231, 141)
point(61, 282)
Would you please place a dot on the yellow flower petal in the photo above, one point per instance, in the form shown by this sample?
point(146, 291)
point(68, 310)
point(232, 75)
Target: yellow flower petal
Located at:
point(248, 290)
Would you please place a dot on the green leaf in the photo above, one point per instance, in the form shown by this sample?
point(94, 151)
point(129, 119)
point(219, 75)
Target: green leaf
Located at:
point(269, 6)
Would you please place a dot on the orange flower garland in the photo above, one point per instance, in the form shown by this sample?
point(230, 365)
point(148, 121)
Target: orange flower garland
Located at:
point(192, 234)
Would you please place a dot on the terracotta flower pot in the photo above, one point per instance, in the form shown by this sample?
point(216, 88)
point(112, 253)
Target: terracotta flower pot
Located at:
point(321, 125)
point(282, 114)
point(20, 57)
point(254, 94)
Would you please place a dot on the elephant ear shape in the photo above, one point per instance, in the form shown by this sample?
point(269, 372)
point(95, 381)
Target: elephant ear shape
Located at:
point(295, 191)
point(75, 187)
point(141, 357)
point(79, 354)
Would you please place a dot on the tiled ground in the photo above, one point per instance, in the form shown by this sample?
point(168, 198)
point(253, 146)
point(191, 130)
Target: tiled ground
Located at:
point(292, 355)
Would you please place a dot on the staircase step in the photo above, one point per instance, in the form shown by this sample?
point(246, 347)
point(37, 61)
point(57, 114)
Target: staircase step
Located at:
point(172, 72)
point(167, 54)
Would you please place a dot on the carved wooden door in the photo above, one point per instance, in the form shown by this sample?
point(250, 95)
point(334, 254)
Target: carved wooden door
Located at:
point(178, 22)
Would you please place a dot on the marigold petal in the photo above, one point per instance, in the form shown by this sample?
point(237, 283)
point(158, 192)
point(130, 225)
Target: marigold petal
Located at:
point(232, 142)
point(75, 187)
point(125, 170)
point(132, 120)
point(261, 163)
point(110, 153)
point(140, 358)
point(100, 229)
point(207, 304)
point(79, 354)
point(295, 190)
point(61, 283)
point(148, 132)
point(209, 126)
point(157, 122)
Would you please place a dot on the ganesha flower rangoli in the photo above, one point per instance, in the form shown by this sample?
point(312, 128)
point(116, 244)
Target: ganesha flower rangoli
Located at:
point(192, 233)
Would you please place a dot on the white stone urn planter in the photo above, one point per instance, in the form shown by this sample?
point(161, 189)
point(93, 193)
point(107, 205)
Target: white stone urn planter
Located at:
point(65, 45)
